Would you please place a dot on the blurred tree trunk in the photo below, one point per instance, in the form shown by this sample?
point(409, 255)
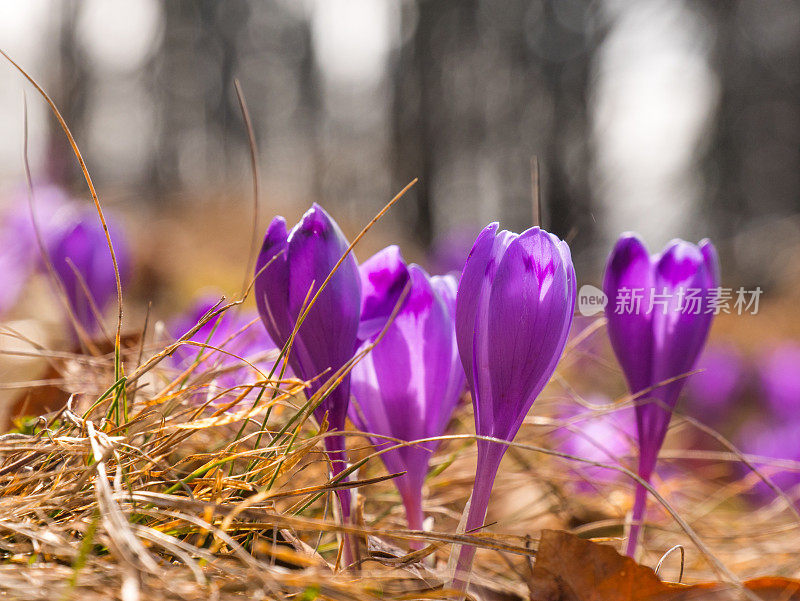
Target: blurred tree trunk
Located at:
point(752, 167)
point(482, 86)
point(310, 109)
point(70, 88)
point(568, 50)
point(193, 81)
point(169, 75)
point(417, 111)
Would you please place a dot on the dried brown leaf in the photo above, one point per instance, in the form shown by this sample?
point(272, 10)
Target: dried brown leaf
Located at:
point(569, 568)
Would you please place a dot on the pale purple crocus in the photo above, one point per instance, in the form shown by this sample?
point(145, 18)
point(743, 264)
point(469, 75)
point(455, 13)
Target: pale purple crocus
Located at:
point(773, 441)
point(779, 370)
point(19, 247)
point(514, 308)
point(408, 385)
point(658, 338)
point(81, 258)
point(712, 392)
point(290, 269)
point(596, 433)
point(15, 273)
point(240, 340)
point(450, 249)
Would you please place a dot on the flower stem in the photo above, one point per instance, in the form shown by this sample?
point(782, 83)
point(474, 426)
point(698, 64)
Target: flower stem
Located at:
point(637, 514)
point(412, 501)
point(337, 454)
point(489, 457)
point(646, 466)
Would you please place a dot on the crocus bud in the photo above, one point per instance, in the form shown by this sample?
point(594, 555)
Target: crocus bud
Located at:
point(82, 261)
point(290, 269)
point(659, 312)
point(233, 332)
point(407, 387)
point(514, 309)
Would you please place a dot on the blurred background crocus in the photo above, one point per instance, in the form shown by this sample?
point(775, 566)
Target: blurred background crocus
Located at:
point(596, 432)
point(53, 228)
point(514, 309)
point(449, 251)
point(20, 253)
point(713, 391)
point(407, 387)
point(290, 269)
point(81, 259)
point(658, 339)
point(777, 456)
point(231, 341)
point(779, 371)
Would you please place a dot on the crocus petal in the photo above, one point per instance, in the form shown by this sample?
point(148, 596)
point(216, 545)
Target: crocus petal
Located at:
point(444, 376)
point(447, 288)
point(472, 313)
point(315, 245)
point(530, 309)
point(712, 263)
point(629, 268)
point(408, 385)
point(382, 405)
point(327, 338)
point(678, 337)
point(383, 277)
point(272, 283)
point(472, 286)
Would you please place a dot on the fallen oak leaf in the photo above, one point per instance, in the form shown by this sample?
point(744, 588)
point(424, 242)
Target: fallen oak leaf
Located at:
point(569, 568)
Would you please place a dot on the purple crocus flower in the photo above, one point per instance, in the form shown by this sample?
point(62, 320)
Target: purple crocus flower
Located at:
point(409, 384)
point(712, 391)
point(290, 269)
point(19, 247)
point(237, 335)
point(514, 309)
point(658, 338)
point(80, 252)
point(604, 437)
point(773, 441)
point(780, 381)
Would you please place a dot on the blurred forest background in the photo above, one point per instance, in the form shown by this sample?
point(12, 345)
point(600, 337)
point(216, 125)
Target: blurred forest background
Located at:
point(668, 117)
